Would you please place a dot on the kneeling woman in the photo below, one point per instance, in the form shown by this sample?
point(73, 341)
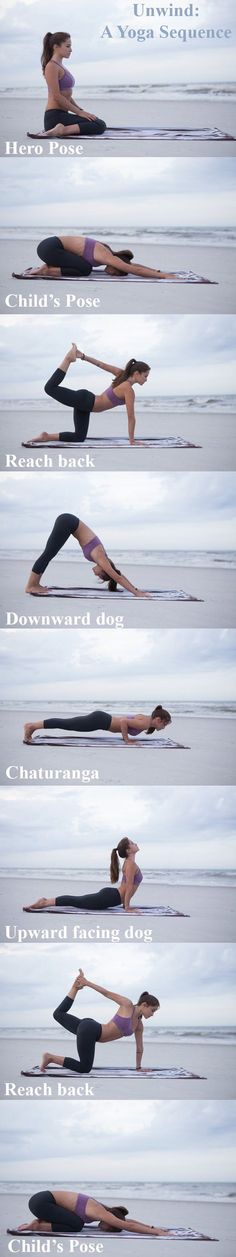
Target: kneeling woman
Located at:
point(128, 726)
point(63, 117)
point(62, 1211)
point(93, 550)
point(108, 896)
point(77, 256)
point(83, 403)
point(127, 1021)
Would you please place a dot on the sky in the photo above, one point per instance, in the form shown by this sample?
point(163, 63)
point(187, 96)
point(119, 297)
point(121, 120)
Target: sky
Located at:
point(182, 827)
point(115, 1142)
point(173, 664)
point(130, 511)
point(200, 352)
point(195, 985)
point(106, 193)
point(97, 60)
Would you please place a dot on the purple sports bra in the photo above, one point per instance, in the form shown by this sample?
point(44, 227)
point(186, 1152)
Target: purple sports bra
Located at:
point(66, 81)
point(138, 877)
point(124, 1024)
point(87, 549)
point(81, 1207)
point(116, 401)
point(88, 253)
point(133, 733)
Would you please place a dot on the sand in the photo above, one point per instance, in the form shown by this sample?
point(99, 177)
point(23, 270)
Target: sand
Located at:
point(23, 115)
point(216, 264)
point(210, 759)
point(213, 1219)
point(214, 1061)
point(214, 433)
point(216, 588)
point(211, 909)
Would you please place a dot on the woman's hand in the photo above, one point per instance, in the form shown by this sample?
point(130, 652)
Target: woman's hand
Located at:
point(142, 593)
point(91, 117)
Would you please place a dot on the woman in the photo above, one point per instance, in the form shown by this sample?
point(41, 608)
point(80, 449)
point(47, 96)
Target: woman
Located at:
point(93, 550)
point(108, 897)
point(63, 117)
point(83, 403)
point(62, 1211)
point(128, 726)
point(127, 1021)
point(77, 256)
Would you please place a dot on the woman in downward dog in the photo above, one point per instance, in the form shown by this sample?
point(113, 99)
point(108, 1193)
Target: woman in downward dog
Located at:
point(127, 1021)
point(93, 550)
point(128, 726)
point(83, 403)
point(63, 117)
point(108, 896)
point(75, 257)
point(62, 1211)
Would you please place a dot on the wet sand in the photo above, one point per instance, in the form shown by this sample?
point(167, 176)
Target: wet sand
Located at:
point(215, 434)
point(215, 590)
point(210, 756)
point(210, 910)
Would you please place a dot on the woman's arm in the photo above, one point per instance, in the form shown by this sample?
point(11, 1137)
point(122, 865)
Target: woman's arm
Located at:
point(129, 402)
point(102, 990)
point(129, 884)
point(101, 558)
point(53, 82)
point(139, 1046)
point(105, 366)
point(104, 255)
point(100, 1214)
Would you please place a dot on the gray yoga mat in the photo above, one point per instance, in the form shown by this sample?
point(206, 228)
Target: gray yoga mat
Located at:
point(176, 1233)
point(160, 595)
point(41, 739)
point(162, 133)
point(183, 277)
point(105, 442)
point(150, 912)
point(110, 1072)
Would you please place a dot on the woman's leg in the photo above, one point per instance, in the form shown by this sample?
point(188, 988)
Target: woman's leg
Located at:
point(95, 127)
point(45, 1208)
point(65, 525)
point(88, 1035)
point(80, 724)
point(83, 405)
point(52, 253)
point(64, 1018)
point(108, 897)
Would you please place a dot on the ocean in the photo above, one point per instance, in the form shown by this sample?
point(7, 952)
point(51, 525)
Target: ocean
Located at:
point(153, 877)
point(214, 1192)
point(131, 91)
point(145, 558)
point(200, 710)
point(223, 1035)
point(201, 403)
point(214, 237)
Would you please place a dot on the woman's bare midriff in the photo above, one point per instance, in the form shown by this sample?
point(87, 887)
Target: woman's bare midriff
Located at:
point(53, 104)
point(110, 1032)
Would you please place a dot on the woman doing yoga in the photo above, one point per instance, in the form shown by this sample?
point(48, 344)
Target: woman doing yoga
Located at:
point(109, 896)
point(127, 1021)
point(93, 550)
point(77, 256)
point(63, 1212)
point(83, 403)
point(128, 726)
point(63, 117)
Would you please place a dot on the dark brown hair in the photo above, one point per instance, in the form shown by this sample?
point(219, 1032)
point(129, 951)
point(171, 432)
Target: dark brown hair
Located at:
point(122, 848)
point(164, 715)
point(124, 254)
point(119, 1212)
point(131, 366)
point(50, 42)
point(150, 1000)
point(112, 584)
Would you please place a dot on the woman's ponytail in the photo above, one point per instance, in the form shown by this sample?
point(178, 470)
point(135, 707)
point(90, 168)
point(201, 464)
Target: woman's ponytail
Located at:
point(131, 366)
point(163, 715)
point(114, 866)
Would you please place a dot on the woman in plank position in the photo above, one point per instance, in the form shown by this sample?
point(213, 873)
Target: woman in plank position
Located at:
point(63, 117)
point(128, 726)
point(75, 257)
point(83, 403)
point(108, 896)
point(127, 1021)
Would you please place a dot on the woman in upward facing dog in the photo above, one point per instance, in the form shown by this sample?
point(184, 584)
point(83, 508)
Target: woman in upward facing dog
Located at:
point(128, 726)
point(83, 403)
point(77, 256)
point(127, 1021)
point(63, 117)
point(108, 896)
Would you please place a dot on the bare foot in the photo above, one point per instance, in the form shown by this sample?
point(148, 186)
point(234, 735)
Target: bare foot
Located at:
point(35, 1226)
point(33, 585)
point(40, 903)
point(46, 1058)
point(38, 272)
point(43, 436)
point(28, 730)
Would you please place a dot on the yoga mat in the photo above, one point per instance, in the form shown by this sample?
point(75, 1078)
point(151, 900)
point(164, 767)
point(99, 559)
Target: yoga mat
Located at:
point(162, 133)
point(160, 595)
point(183, 277)
point(150, 912)
point(40, 739)
point(105, 442)
point(176, 1233)
point(110, 1072)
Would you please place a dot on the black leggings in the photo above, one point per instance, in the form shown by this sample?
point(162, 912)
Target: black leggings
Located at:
point(64, 526)
point(108, 897)
point(46, 1209)
point(72, 264)
point(81, 724)
point(80, 400)
point(88, 1032)
point(53, 116)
